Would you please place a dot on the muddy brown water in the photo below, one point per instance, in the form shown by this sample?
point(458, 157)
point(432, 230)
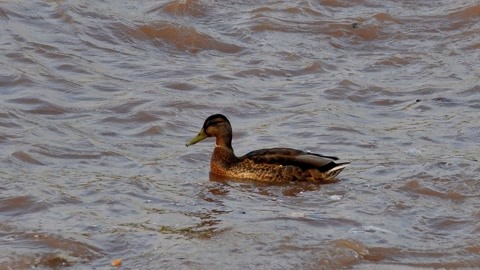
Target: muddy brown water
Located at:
point(99, 97)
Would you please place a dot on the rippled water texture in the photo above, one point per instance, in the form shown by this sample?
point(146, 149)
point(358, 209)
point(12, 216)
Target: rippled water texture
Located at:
point(99, 97)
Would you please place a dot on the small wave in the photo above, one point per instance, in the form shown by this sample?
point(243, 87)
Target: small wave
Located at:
point(56, 251)
point(138, 117)
point(472, 12)
point(180, 86)
point(185, 38)
point(21, 205)
point(26, 158)
point(415, 187)
point(40, 106)
point(155, 130)
point(185, 8)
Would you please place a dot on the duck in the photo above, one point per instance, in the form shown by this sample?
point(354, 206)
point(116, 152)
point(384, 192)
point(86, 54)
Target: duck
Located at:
point(273, 165)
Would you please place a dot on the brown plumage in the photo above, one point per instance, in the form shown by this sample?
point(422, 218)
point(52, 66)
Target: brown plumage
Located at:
point(266, 165)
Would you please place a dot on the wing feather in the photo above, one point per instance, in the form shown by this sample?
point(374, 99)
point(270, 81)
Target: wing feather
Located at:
point(288, 156)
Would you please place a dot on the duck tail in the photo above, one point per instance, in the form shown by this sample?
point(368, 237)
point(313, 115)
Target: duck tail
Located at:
point(333, 172)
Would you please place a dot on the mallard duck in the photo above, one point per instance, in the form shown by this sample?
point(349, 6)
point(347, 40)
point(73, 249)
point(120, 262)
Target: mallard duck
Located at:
point(274, 165)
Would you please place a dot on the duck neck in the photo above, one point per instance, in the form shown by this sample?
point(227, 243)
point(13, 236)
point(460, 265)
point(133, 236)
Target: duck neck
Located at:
point(224, 141)
point(222, 158)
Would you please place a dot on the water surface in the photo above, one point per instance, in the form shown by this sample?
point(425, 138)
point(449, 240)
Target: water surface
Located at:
point(99, 97)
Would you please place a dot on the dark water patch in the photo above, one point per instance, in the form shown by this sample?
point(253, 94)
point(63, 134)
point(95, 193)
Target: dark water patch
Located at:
point(447, 102)
point(387, 17)
point(415, 187)
point(40, 106)
point(387, 258)
point(27, 101)
point(151, 131)
point(181, 86)
point(466, 13)
point(394, 61)
point(368, 32)
point(285, 10)
point(108, 134)
point(256, 72)
point(73, 68)
point(447, 224)
point(55, 250)
point(185, 38)
point(13, 206)
point(106, 87)
point(128, 106)
point(341, 90)
point(10, 81)
point(26, 158)
point(476, 105)
point(48, 109)
point(218, 77)
point(337, 3)
point(9, 120)
point(63, 153)
point(386, 102)
point(20, 58)
point(138, 117)
point(4, 14)
point(188, 8)
point(312, 68)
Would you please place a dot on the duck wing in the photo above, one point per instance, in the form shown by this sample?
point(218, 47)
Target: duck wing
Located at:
point(291, 157)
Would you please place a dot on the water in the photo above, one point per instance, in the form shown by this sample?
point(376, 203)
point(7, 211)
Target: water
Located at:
point(99, 97)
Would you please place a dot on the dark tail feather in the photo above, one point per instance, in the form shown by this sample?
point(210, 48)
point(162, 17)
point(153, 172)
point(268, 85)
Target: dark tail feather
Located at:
point(333, 172)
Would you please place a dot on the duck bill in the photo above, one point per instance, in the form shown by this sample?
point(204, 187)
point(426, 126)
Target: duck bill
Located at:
point(201, 135)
